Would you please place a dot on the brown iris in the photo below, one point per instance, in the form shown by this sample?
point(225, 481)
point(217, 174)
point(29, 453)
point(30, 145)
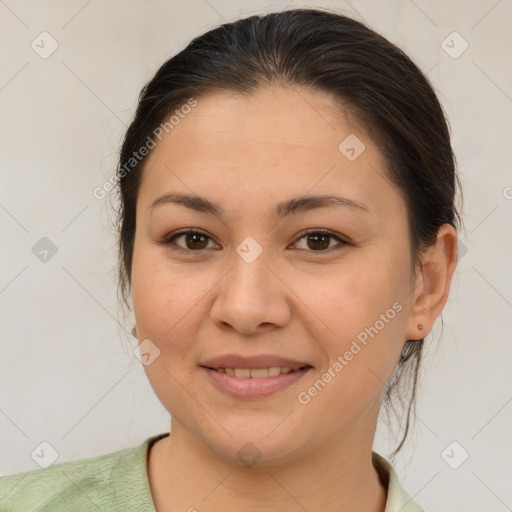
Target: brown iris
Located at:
point(319, 241)
point(196, 241)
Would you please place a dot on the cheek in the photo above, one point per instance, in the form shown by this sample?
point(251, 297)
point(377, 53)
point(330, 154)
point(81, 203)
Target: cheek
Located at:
point(150, 291)
point(168, 299)
point(167, 306)
point(364, 308)
point(354, 296)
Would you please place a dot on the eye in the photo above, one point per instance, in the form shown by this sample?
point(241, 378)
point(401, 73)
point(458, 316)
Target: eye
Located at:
point(196, 241)
point(320, 241)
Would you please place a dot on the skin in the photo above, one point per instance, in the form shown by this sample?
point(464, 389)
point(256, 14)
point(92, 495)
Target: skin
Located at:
point(247, 154)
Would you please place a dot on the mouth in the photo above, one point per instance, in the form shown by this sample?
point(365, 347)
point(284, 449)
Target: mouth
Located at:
point(254, 383)
point(258, 373)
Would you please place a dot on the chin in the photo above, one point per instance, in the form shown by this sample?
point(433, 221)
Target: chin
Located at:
point(254, 444)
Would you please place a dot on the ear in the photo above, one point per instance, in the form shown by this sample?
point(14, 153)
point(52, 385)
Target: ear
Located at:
point(432, 283)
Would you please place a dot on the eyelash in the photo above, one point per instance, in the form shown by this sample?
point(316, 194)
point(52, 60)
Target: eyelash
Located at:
point(170, 240)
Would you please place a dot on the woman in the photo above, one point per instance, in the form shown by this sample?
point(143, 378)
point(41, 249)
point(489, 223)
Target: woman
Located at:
point(287, 234)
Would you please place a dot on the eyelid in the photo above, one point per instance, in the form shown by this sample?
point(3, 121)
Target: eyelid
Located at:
point(169, 239)
point(342, 241)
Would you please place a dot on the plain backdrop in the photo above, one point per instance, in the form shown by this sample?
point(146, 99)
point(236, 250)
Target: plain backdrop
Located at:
point(68, 375)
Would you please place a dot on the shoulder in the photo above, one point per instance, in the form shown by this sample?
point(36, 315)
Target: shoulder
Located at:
point(398, 500)
point(85, 484)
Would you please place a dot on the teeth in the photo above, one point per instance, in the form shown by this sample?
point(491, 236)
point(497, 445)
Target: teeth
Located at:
point(256, 373)
point(274, 371)
point(259, 373)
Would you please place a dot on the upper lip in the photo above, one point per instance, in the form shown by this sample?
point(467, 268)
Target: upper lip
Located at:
point(257, 361)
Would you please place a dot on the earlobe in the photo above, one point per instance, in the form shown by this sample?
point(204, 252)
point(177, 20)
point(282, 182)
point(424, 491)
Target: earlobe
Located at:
point(432, 284)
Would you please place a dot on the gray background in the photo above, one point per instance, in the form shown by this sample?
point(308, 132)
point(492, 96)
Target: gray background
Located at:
point(67, 371)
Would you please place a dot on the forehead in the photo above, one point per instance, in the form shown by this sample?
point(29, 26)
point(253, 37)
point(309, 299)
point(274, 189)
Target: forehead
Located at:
point(274, 116)
point(272, 144)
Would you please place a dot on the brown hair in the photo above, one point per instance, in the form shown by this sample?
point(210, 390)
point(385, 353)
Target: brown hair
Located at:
point(320, 50)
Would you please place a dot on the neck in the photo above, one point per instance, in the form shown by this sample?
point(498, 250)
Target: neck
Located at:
point(185, 474)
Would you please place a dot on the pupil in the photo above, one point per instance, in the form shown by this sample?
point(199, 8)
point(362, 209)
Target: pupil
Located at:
point(195, 238)
point(322, 239)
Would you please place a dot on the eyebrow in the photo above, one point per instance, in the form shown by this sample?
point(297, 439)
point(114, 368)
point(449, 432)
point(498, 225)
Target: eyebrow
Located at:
point(281, 210)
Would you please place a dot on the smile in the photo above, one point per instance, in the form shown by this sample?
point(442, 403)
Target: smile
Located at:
point(251, 383)
point(258, 373)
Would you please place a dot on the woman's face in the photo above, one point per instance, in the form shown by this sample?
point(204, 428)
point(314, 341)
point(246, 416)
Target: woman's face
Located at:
point(250, 281)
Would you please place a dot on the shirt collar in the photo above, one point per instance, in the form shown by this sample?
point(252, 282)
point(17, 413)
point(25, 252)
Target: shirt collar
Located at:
point(398, 500)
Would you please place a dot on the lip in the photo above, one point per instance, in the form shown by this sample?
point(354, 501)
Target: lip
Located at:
point(256, 361)
point(248, 387)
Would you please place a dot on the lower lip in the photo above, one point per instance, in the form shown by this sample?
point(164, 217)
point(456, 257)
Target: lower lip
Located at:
point(248, 387)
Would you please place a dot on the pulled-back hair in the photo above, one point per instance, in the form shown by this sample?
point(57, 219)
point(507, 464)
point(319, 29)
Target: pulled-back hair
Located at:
point(324, 51)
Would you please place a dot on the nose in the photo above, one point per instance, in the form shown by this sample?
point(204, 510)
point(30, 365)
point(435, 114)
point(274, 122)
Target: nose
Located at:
point(251, 298)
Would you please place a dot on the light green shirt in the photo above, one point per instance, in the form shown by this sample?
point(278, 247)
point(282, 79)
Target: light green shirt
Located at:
point(118, 482)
